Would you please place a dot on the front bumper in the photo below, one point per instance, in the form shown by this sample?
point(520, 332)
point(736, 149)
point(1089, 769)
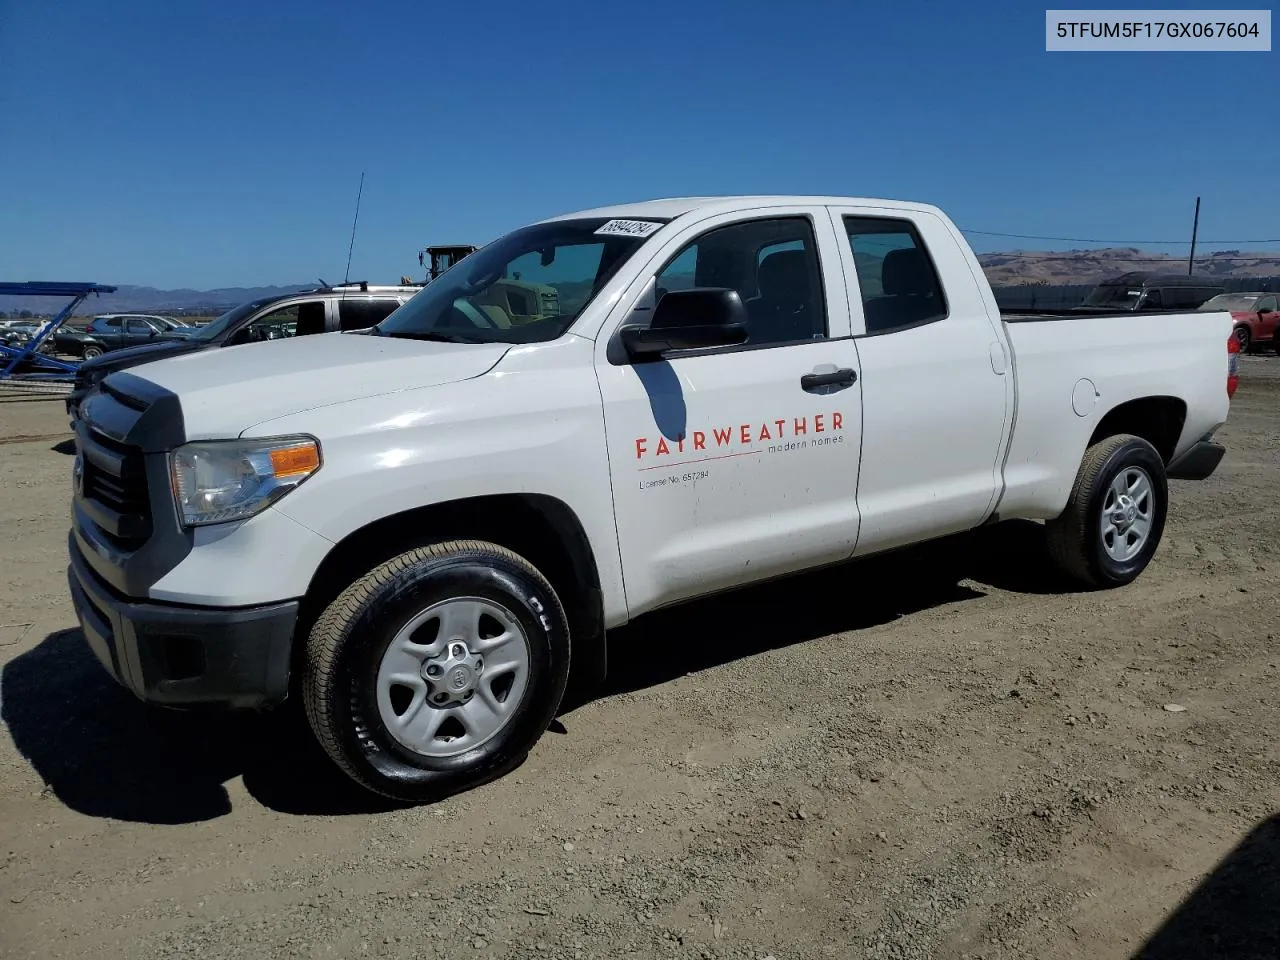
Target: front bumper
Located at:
point(1198, 462)
point(185, 656)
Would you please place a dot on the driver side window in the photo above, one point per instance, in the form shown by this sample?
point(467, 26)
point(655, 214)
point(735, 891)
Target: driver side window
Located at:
point(275, 325)
point(771, 263)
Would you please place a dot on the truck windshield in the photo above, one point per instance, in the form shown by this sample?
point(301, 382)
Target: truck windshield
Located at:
point(1113, 295)
point(526, 287)
point(221, 324)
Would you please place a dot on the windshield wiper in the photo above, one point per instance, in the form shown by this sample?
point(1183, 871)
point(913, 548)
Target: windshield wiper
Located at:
point(432, 336)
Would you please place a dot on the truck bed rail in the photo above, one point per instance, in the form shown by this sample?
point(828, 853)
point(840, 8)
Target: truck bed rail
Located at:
point(1070, 313)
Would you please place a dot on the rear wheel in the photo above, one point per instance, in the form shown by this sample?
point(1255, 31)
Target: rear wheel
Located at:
point(91, 350)
point(1245, 338)
point(1115, 515)
point(437, 671)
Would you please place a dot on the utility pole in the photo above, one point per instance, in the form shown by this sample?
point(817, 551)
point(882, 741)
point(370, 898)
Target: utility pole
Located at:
point(1195, 227)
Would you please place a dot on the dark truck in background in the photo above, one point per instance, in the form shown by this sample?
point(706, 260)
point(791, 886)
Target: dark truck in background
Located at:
point(352, 306)
point(1139, 291)
point(114, 331)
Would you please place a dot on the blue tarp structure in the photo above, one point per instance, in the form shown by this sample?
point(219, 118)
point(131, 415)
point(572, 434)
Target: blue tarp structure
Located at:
point(39, 366)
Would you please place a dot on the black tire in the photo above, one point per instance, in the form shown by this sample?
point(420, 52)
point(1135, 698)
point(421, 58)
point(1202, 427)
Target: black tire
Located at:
point(1244, 336)
point(347, 643)
point(1075, 539)
point(92, 350)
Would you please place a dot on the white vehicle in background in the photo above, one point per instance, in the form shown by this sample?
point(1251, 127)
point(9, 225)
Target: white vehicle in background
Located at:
point(424, 529)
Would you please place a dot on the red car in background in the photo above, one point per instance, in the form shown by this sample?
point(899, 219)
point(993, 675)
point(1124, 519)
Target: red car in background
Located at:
point(1256, 316)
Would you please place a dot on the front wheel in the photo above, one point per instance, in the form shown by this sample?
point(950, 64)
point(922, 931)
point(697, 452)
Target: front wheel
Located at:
point(1115, 515)
point(437, 671)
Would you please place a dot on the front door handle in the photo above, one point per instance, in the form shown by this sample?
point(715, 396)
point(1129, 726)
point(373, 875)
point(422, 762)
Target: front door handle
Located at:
point(844, 377)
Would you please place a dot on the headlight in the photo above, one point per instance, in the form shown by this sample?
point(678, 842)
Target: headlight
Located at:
point(223, 480)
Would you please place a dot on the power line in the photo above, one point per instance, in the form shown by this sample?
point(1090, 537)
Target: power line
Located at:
point(1175, 243)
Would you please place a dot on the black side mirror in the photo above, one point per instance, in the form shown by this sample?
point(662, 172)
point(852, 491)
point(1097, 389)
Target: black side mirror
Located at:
point(689, 320)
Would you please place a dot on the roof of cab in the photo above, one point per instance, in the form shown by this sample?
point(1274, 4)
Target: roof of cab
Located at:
point(672, 207)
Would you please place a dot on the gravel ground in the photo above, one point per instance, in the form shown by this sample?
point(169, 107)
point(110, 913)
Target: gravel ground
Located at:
point(937, 754)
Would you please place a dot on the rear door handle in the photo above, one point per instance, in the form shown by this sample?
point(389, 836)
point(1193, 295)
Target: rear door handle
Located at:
point(844, 377)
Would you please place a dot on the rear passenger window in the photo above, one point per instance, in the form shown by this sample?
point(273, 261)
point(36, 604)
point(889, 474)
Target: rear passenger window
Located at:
point(773, 264)
point(359, 314)
point(899, 284)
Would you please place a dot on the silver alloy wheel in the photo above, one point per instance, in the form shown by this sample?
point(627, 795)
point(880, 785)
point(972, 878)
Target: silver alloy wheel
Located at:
point(1127, 512)
point(451, 679)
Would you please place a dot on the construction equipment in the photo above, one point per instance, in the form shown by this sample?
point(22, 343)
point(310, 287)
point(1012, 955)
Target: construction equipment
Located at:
point(443, 257)
point(508, 301)
point(26, 362)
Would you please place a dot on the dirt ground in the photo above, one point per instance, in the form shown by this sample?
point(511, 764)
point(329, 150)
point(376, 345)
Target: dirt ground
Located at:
point(938, 754)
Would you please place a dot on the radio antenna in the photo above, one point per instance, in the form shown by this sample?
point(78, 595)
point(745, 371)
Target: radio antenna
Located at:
point(352, 246)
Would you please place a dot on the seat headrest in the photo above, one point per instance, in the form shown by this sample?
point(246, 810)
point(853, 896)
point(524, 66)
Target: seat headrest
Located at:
point(310, 319)
point(906, 271)
point(784, 275)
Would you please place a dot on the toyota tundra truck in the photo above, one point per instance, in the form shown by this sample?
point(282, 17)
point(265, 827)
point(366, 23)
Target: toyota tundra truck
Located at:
point(424, 529)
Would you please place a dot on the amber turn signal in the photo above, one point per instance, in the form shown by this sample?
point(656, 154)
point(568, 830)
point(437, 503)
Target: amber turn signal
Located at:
point(303, 458)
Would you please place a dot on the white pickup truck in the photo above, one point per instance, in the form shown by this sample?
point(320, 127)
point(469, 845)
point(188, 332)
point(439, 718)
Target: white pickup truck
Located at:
point(423, 528)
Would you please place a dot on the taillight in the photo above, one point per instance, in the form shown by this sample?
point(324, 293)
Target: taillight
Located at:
point(1233, 365)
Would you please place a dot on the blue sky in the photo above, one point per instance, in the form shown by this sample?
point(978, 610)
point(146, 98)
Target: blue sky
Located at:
point(206, 144)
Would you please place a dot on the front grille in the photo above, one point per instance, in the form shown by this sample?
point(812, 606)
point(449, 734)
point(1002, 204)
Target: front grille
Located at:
point(115, 489)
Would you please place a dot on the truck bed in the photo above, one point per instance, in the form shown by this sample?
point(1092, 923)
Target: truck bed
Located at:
point(1068, 373)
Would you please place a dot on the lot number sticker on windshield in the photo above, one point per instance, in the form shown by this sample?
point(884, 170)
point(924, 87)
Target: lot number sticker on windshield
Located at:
point(628, 228)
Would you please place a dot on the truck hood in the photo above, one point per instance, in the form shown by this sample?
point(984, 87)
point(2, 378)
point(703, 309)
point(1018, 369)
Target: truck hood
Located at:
point(225, 391)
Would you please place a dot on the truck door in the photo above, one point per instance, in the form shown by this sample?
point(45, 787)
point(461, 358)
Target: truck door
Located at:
point(937, 386)
point(729, 466)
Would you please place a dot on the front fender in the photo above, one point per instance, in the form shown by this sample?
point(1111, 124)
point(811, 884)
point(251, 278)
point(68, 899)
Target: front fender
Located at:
point(533, 426)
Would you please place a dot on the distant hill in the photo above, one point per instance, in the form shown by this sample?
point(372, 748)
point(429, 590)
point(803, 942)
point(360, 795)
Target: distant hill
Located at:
point(1002, 269)
point(151, 300)
point(1091, 266)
